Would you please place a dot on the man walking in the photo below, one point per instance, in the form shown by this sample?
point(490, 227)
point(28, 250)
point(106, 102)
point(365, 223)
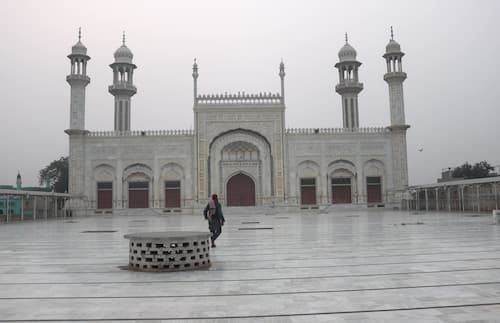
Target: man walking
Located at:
point(213, 213)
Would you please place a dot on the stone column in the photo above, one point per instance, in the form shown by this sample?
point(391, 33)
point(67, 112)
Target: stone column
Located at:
point(448, 197)
point(34, 207)
point(22, 207)
point(496, 196)
point(478, 198)
point(437, 199)
point(426, 201)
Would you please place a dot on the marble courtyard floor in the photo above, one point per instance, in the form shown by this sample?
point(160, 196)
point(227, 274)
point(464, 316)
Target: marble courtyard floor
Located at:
point(350, 265)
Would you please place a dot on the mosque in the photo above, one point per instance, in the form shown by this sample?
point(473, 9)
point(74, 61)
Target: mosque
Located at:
point(239, 148)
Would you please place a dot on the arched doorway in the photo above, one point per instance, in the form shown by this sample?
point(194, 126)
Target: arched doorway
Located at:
point(240, 191)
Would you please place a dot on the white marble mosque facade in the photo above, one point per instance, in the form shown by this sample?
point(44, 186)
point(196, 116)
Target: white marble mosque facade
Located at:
point(238, 134)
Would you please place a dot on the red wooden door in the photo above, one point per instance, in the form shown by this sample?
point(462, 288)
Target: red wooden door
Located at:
point(307, 191)
point(104, 199)
point(172, 194)
point(105, 195)
point(138, 195)
point(374, 194)
point(341, 194)
point(341, 190)
point(240, 191)
point(373, 190)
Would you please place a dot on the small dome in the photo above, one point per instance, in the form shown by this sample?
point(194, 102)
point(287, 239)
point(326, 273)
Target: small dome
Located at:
point(393, 47)
point(79, 49)
point(347, 53)
point(123, 55)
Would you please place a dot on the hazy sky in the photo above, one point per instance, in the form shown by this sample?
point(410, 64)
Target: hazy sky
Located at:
point(452, 48)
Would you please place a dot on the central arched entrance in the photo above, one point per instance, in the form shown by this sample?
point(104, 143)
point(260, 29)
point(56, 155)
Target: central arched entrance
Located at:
point(240, 191)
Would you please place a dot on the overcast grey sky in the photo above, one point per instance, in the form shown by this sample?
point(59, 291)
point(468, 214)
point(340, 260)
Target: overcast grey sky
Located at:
point(451, 95)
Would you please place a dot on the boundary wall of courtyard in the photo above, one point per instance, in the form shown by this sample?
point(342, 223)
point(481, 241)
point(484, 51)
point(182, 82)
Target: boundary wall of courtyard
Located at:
point(19, 205)
point(469, 195)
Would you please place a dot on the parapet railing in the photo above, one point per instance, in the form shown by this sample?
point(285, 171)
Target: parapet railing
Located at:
point(136, 133)
point(240, 98)
point(308, 131)
point(190, 132)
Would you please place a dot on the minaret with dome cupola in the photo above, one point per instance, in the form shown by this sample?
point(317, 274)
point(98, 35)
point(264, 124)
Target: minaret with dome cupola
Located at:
point(349, 85)
point(78, 80)
point(395, 78)
point(123, 86)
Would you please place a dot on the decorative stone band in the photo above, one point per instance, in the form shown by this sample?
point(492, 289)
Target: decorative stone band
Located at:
point(169, 251)
point(240, 98)
point(186, 132)
point(181, 132)
point(308, 131)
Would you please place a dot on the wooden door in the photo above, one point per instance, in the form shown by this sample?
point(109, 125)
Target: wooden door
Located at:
point(308, 191)
point(172, 194)
point(373, 190)
point(138, 195)
point(240, 191)
point(105, 195)
point(341, 190)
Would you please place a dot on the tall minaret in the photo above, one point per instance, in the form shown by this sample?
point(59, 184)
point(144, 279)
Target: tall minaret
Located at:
point(349, 85)
point(282, 77)
point(78, 80)
point(395, 78)
point(123, 86)
point(19, 182)
point(195, 81)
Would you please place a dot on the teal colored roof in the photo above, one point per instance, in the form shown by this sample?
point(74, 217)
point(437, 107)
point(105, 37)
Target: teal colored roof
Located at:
point(36, 189)
point(27, 189)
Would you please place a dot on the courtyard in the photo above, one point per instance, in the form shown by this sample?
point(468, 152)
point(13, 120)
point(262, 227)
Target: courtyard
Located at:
point(344, 265)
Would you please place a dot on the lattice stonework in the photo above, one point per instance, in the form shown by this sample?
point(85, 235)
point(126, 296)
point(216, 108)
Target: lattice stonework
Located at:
point(169, 251)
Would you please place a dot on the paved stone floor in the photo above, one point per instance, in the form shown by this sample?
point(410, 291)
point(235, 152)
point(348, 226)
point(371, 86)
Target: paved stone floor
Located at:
point(345, 266)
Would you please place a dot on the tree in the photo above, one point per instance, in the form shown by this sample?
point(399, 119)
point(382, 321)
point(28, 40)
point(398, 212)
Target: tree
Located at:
point(56, 175)
point(478, 170)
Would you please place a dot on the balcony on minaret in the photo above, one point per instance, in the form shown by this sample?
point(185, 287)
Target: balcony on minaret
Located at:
point(122, 88)
point(348, 86)
point(395, 76)
point(76, 78)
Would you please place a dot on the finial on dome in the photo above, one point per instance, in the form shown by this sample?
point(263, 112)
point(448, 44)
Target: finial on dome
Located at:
point(123, 38)
point(346, 39)
point(79, 33)
point(195, 61)
point(392, 34)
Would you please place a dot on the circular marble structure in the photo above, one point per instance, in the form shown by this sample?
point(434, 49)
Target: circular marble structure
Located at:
point(169, 251)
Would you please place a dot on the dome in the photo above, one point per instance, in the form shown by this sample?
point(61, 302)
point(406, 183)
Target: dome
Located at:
point(79, 49)
point(123, 55)
point(347, 53)
point(393, 47)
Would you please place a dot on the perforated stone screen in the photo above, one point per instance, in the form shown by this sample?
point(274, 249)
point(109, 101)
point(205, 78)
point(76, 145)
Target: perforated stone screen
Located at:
point(169, 251)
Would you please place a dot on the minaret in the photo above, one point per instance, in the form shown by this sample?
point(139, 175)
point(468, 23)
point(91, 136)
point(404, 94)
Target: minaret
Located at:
point(78, 80)
point(123, 86)
point(349, 85)
point(19, 182)
point(195, 80)
point(395, 78)
point(282, 77)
